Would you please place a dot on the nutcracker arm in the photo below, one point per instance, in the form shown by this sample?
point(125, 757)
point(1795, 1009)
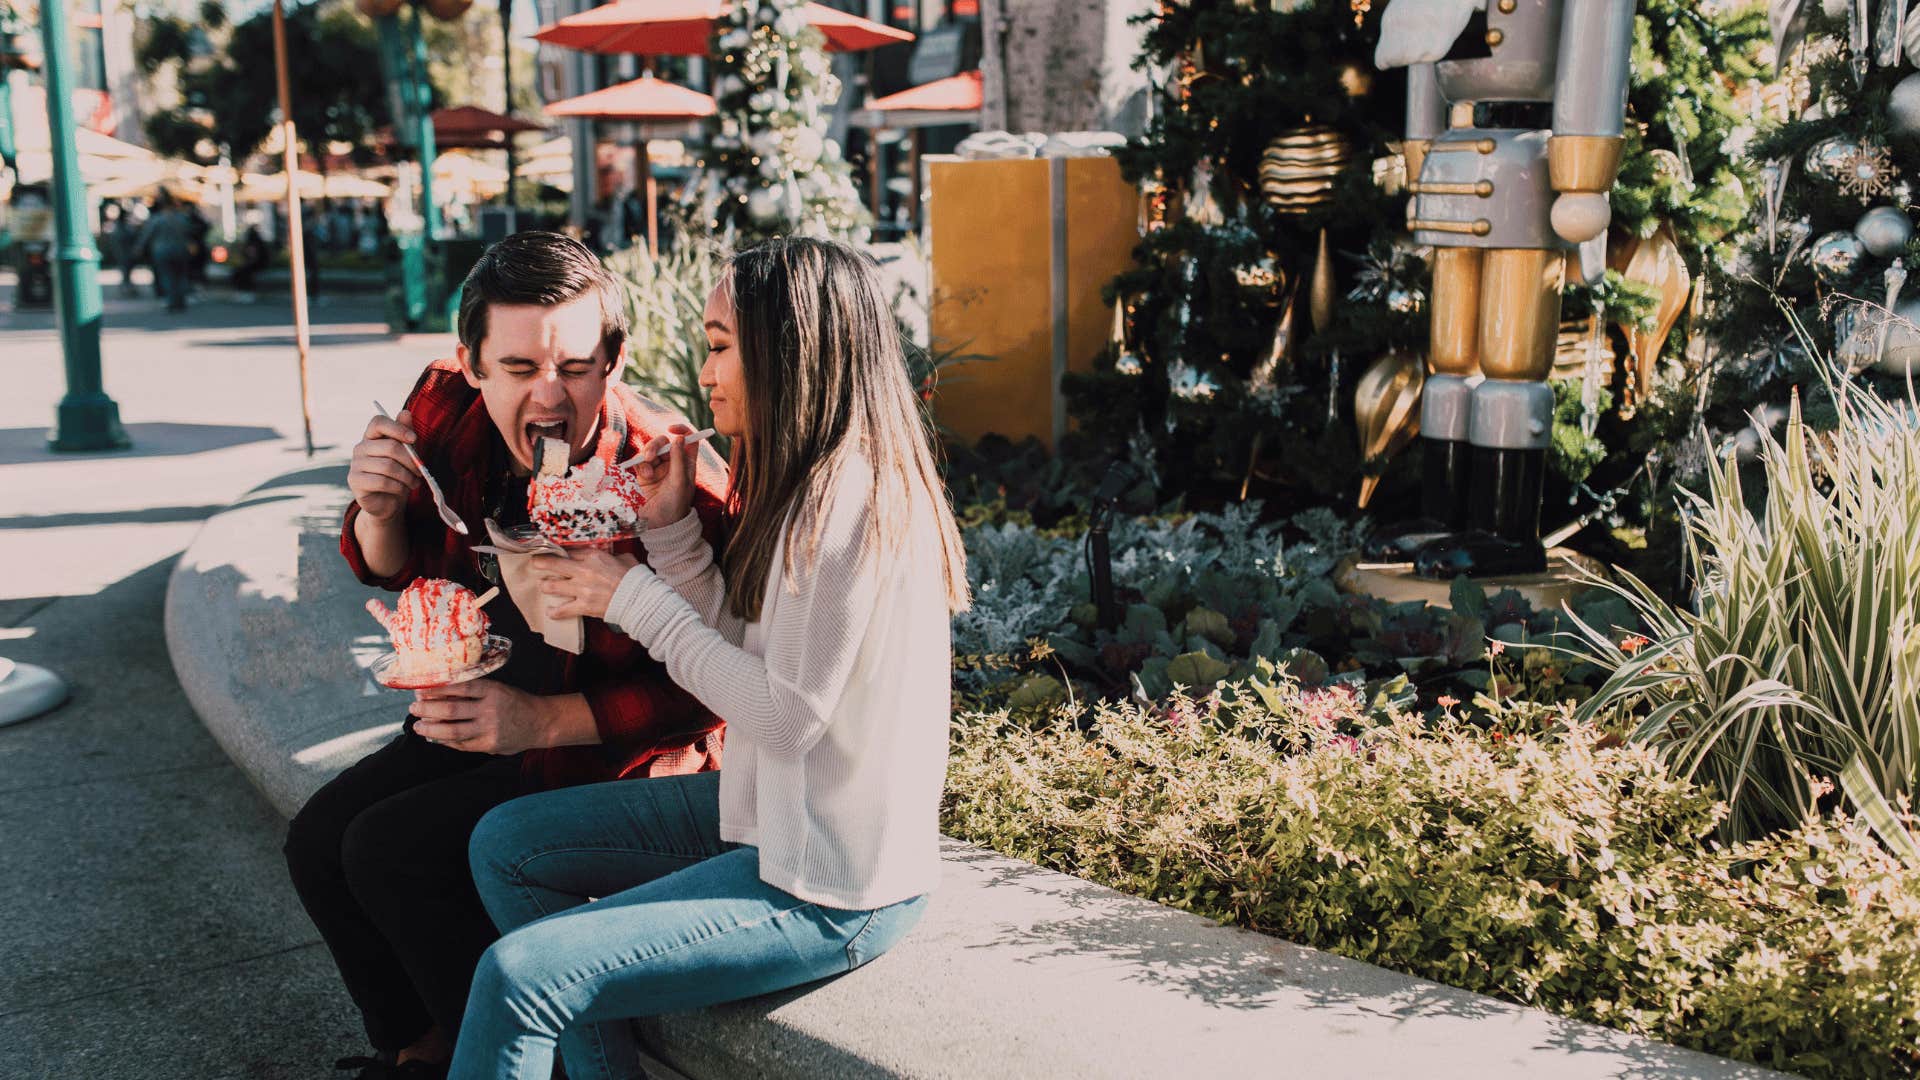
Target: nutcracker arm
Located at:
point(1426, 115)
point(1590, 94)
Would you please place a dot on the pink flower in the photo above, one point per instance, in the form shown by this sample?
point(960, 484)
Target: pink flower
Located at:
point(1495, 647)
point(1448, 701)
point(1633, 644)
point(1345, 742)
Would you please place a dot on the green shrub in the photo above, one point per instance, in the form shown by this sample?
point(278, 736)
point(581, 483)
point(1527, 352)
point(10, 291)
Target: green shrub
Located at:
point(1574, 874)
point(1802, 665)
point(666, 298)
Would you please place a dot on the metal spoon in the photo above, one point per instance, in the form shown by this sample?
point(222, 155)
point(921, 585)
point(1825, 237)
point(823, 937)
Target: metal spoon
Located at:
point(439, 501)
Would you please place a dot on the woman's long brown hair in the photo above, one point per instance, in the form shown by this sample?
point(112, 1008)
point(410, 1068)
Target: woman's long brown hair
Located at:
point(825, 374)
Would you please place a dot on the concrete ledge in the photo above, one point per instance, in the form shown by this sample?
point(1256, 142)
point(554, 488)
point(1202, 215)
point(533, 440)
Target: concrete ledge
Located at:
point(1015, 971)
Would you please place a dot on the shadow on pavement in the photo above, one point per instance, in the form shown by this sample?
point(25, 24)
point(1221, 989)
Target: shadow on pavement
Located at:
point(286, 341)
point(153, 515)
point(19, 446)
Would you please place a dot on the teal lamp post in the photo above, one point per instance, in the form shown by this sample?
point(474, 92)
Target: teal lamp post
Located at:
point(86, 419)
point(419, 297)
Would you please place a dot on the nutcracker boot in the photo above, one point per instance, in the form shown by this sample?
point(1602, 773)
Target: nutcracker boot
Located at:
point(1512, 420)
point(1445, 410)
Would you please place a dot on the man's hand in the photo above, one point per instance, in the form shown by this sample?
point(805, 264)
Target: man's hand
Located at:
point(380, 474)
point(667, 483)
point(583, 583)
point(482, 717)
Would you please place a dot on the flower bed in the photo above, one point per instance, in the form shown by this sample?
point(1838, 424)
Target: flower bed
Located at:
point(1575, 874)
point(1220, 596)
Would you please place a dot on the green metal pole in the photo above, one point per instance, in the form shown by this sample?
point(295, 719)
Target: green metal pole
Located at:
point(423, 119)
point(7, 151)
point(87, 419)
point(11, 26)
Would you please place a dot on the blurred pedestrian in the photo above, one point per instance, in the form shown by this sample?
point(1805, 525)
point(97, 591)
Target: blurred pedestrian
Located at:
point(166, 239)
point(126, 247)
point(248, 259)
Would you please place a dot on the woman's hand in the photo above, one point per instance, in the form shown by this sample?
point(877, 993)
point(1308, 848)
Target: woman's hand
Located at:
point(583, 583)
point(668, 482)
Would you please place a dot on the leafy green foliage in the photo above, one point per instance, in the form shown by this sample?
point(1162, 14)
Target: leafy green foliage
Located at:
point(667, 339)
point(1572, 873)
point(228, 91)
point(1215, 596)
point(1804, 655)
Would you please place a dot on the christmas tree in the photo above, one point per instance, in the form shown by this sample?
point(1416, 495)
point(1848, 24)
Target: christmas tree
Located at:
point(771, 170)
point(1682, 195)
point(1830, 243)
point(1276, 272)
point(1270, 275)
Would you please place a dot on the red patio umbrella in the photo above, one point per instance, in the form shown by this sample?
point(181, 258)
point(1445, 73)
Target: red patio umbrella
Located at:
point(645, 100)
point(964, 92)
point(953, 100)
point(470, 127)
point(685, 28)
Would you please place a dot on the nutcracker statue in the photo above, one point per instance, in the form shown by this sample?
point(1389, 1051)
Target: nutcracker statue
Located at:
point(1514, 111)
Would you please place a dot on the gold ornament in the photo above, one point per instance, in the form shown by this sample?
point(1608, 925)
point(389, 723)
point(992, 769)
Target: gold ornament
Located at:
point(1356, 80)
point(1654, 261)
point(1386, 410)
point(1866, 171)
point(1299, 167)
point(1320, 295)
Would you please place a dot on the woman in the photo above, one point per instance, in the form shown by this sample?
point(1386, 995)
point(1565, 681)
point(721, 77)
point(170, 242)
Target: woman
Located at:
point(822, 637)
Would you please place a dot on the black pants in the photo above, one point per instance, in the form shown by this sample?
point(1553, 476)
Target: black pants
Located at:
point(379, 858)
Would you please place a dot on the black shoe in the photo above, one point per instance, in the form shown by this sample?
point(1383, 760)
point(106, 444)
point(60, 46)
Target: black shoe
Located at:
point(1478, 554)
point(371, 1068)
point(420, 1070)
point(1398, 542)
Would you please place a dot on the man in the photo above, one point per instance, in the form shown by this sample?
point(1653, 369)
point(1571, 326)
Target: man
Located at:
point(379, 855)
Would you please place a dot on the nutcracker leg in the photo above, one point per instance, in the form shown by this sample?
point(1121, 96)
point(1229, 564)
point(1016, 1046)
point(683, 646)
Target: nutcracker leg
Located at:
point(1512, 419)
point(1445, 408)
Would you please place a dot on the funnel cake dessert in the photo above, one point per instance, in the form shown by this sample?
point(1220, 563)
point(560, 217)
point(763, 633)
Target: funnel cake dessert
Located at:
point(437, 628)
point(585, 503)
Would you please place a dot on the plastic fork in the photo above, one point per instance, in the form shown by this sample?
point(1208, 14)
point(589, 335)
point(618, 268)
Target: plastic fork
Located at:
point(439, 501)
point(697, 437)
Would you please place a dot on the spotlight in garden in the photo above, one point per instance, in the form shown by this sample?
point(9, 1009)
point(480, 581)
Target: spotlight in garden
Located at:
point(1119, 477)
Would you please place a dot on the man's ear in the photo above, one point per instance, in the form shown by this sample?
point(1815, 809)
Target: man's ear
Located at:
point(615, 346)
point(467, 362)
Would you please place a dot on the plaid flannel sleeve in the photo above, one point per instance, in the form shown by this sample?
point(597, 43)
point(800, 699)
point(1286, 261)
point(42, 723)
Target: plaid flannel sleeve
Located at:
point(433, 414)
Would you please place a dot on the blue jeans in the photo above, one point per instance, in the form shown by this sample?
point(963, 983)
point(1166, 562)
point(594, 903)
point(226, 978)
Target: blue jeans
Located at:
point(683, 921)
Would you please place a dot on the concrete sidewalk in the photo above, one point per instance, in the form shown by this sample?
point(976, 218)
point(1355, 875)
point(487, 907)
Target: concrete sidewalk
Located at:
point(151, 930)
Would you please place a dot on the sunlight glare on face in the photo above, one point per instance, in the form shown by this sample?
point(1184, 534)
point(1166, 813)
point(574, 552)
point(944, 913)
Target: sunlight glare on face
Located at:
point(543, 375)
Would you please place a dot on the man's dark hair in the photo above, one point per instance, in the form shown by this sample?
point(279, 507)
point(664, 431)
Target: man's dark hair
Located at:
point(544, 269)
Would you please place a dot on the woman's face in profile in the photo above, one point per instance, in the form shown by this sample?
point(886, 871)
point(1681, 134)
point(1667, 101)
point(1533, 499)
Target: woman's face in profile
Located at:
point(723, 376)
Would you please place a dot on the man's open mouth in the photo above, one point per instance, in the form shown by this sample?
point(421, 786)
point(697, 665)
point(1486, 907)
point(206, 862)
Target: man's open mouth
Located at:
point(552, 429)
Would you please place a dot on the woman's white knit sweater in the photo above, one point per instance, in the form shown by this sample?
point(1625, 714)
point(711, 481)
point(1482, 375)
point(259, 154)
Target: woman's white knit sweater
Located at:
point(837, 699)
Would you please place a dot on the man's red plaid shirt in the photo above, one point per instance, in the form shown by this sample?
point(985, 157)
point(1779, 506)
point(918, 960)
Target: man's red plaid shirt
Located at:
point(648, 725)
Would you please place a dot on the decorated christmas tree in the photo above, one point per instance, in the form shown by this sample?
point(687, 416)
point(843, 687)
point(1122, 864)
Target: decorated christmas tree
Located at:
point(1270, 274)
point(1277, 275)
point(1627, 385)
point(771, 170)
point(1830, 245)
